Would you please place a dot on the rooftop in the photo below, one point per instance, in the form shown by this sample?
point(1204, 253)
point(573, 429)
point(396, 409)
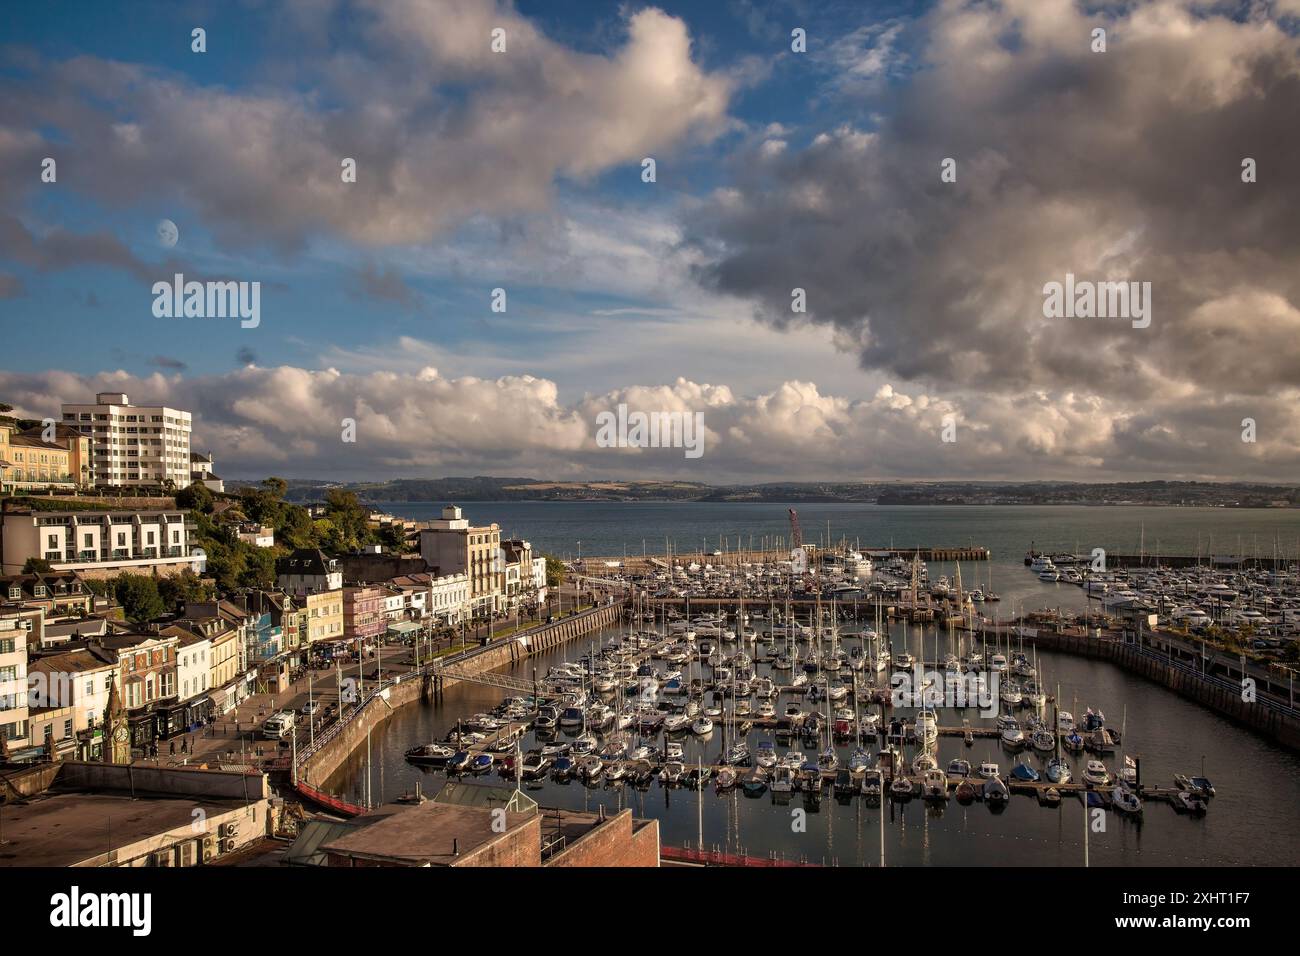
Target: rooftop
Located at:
point(70, 828)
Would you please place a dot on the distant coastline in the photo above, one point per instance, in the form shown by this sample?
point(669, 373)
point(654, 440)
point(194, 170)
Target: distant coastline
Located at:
point(885, 494)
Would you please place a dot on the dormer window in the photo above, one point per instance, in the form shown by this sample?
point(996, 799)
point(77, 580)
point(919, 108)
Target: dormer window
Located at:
point(39, 590)
point(15, 593)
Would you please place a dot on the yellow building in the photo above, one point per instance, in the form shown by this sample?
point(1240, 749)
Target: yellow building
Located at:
point(29, 463)
point(322, 612)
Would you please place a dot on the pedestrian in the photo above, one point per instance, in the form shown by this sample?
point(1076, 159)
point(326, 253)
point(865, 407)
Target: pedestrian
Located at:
point(172, 744)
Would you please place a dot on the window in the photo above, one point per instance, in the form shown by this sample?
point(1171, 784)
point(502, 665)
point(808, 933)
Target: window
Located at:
point(67, 728)
point(90, 687)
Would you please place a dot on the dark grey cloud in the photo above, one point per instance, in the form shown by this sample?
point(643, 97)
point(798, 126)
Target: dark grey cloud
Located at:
point(386, 285)
point(167, 363)
point(1116, 165)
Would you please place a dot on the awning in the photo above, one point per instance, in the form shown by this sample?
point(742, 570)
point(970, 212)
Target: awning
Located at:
point(403, 627)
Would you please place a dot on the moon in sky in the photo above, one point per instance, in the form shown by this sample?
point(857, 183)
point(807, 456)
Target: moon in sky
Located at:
point(168, 233)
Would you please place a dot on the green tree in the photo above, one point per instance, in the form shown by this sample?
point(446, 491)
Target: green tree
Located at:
point(138, 595)
point(349, 516)
point(197, 497)
point(35, 565)
point(554, 571)
point(392, 537)
point(259, 569)
point(276, 487)
point(184, 588)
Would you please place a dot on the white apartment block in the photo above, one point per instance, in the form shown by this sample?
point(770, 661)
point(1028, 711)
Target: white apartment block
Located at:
point(133, 445)
point(96, 542)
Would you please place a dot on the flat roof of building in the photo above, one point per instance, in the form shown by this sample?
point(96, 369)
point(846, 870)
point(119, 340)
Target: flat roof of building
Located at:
point(433, 834)
point(62, 829)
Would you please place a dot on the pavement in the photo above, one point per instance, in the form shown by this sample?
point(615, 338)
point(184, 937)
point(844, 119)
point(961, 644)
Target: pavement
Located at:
point(236, 738)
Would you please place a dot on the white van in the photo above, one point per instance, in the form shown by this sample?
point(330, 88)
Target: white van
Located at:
point(278, 725)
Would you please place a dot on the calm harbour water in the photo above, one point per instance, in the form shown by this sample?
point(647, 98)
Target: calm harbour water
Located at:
point(1254, 819)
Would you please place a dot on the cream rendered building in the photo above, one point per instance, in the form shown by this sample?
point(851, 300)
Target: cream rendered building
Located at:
point(133, 444)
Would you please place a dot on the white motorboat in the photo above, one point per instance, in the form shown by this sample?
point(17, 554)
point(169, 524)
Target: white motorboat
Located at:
point(702, 726)
point(1096, 774)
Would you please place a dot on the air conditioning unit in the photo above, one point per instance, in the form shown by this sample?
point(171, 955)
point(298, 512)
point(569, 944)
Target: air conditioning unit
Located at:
point(208, 854)
point(228, 829)
point(226, 845)
point(160, 858)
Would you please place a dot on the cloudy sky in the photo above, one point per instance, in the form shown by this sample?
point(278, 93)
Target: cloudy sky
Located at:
point(775, 170)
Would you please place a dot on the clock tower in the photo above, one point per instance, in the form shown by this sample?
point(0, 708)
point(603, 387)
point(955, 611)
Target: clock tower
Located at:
point(117, 734)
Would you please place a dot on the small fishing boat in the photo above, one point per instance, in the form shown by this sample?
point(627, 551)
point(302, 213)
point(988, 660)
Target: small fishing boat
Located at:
point(1202, 786)
point(901, 789)
point(996, 794)
point(1051, 797)
point(697, 777)
point(430, 755)
point(726, 779)
point(754, 784)
point(873, 782)
point(1044, 741)
point(845, 785)
point(672, 773)
point(1012, 737)
point(859, 762)
point(782, 779)
point(1187, 802)
point(1096, 774)
point(1073, 742)
point(480, 763)
point(1058, 770)
point(702, 726)
point(563, 768)
point(934, 786)
point(737, 754)
point(988, 771)
point(828, 761)
point(1126, 801)
point(535, 765)
point(765, 756)
point(616, 771)
point(923, 763)
point(959, 768)
point(965, 793)
point(459, 761)
point(1024, 773)
point(676, 723)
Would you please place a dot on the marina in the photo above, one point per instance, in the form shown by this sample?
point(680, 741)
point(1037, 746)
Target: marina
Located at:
point(707, 804)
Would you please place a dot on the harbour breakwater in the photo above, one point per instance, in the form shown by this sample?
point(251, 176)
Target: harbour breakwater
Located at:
point(1218, 694)
point(332, 748)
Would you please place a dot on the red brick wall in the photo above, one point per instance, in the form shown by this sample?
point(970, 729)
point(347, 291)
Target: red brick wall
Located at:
point(614, 844)
point(522, 846)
